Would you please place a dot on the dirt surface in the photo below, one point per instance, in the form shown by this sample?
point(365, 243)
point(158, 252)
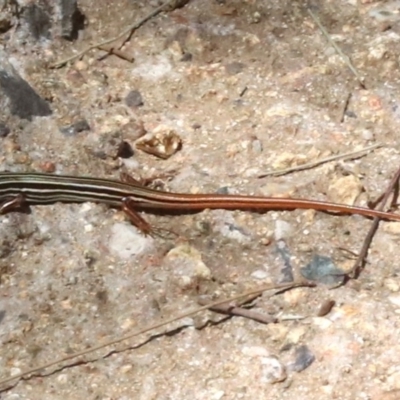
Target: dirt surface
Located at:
point(250, 87)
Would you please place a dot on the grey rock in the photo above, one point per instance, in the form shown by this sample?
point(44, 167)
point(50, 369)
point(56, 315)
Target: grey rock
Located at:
point(17, 96)
point(72, 20)
point(38, 17)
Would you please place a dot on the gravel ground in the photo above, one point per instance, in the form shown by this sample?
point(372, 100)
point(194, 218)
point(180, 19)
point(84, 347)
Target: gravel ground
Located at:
point(250, 87)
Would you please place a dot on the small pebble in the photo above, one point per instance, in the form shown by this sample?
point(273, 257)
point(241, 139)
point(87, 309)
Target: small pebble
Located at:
point(187, 266)
point(219, 394)
point(259, 274)
point(75, 128)
point(125, 368)
point(283, 229)
point(303, 359)
point(126, 241)
point(322, 269)
point(273, 370)
point(134, 99)
point(15, 371)
point(325, 308)
point(124, 150)
point(367, 134)
point(88, 228)
point(257, 146)
point(4, 130)
point(62, 378)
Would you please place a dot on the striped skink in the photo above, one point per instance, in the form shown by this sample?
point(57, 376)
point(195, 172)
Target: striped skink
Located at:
point(17, 189)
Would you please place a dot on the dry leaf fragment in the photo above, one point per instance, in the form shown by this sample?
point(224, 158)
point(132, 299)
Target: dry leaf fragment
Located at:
point(162, 142)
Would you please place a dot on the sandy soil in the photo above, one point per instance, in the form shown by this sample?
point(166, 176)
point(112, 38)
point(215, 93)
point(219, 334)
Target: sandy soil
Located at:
point(250, 87)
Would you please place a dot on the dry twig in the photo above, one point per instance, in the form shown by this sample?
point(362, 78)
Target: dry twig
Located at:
point(38, 371)
point(345, 58)
point(312, 164)
point(128, 31)
point(119, 53)
point(232, 309)
point(361, 259)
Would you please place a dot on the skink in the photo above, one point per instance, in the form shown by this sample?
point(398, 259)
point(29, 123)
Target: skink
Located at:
point(17, 189)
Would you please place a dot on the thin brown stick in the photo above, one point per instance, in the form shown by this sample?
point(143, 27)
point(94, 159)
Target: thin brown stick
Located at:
point(312, 164)
point(345, 106)
point(344, 57)
point(232, 309)
point(245, 313)
point(128, 31)
point(35, 371)
point(119, 53)
point(362, 257)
